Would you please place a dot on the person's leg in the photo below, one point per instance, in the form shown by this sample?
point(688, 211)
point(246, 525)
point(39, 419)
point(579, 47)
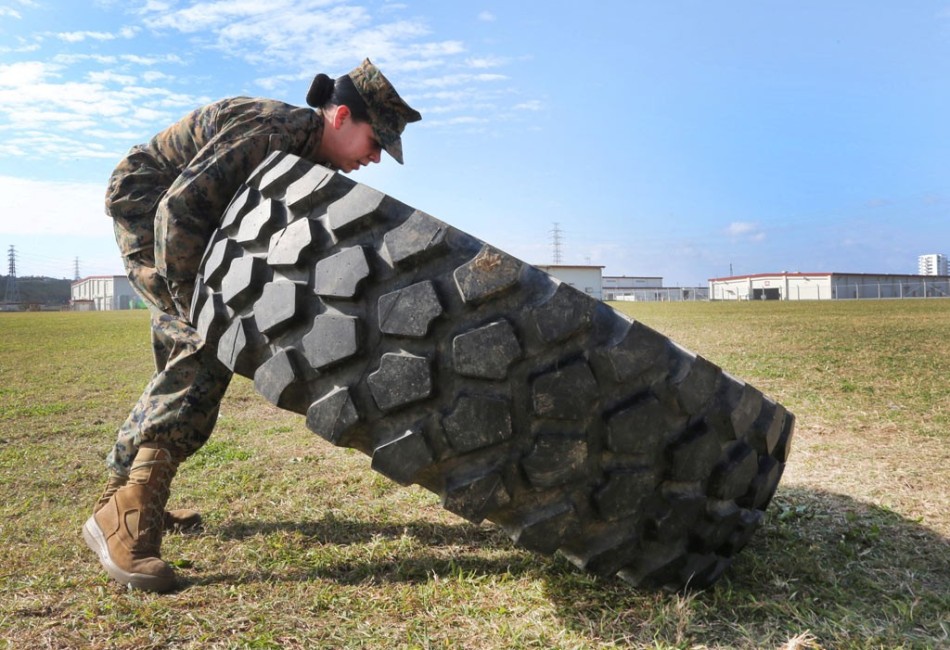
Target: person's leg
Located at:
point(171, 420)
point(177, 363)
point(134, 233)
point(179, 406)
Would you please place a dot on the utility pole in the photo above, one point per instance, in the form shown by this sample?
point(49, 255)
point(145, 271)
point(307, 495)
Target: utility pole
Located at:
point(12, 294)
point(556, 242)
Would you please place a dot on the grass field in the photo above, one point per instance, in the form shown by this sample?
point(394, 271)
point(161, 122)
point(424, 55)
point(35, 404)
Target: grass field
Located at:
point(305, 547)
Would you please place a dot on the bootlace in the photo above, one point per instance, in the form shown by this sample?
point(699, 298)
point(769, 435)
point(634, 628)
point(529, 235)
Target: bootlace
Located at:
point(112, 486)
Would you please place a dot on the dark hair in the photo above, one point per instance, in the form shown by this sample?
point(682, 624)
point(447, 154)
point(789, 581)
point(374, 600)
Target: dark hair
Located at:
point(324, 91)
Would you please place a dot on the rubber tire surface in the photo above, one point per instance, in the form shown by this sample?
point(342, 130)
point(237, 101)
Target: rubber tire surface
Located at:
point(460, 368)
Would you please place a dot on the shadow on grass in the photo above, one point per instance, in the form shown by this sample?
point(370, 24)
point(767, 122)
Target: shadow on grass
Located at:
point(847, 572)
point(358, 551)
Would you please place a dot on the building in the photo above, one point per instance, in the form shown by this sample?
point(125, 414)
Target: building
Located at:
point(827, 286)
point(103, 293)
point(617, 286)
point(585, 278)
point(932, 264)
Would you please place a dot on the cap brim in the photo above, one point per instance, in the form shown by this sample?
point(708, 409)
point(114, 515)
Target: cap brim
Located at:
point(394, 149)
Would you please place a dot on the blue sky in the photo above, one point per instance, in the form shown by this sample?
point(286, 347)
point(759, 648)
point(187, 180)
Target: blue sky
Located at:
point(685, 139)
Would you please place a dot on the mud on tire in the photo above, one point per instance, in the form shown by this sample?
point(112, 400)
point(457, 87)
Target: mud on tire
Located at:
point(460, 368)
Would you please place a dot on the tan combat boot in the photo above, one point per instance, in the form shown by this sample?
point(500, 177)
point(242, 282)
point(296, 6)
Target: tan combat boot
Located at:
point(126, 533)
point(182, 519)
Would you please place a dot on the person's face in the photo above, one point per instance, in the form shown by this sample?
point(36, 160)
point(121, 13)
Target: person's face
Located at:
point(349, 144)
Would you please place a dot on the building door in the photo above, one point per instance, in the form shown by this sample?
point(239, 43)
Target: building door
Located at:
point(767, 294)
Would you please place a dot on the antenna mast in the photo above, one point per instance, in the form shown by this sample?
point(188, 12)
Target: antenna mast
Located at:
point(556, 242)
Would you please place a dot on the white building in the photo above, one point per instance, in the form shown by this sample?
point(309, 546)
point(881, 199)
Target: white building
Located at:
point(932, 264)
point(826, 286)
point(585, 278)
point(104, 293)
point(648, 289)
point(615, 287)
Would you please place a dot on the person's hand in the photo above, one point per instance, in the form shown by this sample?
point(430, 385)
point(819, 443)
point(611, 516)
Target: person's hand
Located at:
point(182, 295)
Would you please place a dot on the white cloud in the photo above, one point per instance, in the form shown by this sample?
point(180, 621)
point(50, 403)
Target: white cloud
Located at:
point(76, 37)
point(42, 116)
point(72, 59)
point(71, 209)
point(151, 60)
point(210, 15)
point(436, 49)
point(21, 49)
point(107, 76)
point(459, 79)
point(25, 73)
point(155, 6)
point(746, 229)
point(533, 105)
point(151, 76)
point(486, 62)
point(84, 95)
point(283, 33)
point(486, 17)
point(737, 228)
point(465, 119)
point(13, 13)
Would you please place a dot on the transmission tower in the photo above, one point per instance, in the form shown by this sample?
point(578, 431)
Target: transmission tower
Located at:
point(12, 294)
point(76, 269)
point(556, 242)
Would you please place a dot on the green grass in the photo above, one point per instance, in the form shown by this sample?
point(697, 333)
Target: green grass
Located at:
point(305, 547)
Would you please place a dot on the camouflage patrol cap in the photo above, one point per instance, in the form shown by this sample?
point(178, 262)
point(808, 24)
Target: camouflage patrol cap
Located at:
point(388, 113)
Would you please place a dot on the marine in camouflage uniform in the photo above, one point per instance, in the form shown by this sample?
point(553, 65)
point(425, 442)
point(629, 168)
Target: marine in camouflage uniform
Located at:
point(166, 199)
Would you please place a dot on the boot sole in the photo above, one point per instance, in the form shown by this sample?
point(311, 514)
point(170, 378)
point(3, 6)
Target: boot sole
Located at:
point(513, 396)
point(173, 521)
point(96, 540)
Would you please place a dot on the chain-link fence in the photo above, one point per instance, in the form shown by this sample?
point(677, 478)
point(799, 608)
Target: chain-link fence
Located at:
point(938, 287)
point(660, 294)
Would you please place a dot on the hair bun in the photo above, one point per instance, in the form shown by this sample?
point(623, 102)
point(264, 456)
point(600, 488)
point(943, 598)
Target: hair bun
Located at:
point(321, 89)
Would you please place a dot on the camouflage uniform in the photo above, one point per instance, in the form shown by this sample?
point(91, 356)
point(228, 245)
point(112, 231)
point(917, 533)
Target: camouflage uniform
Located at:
point(166, 198)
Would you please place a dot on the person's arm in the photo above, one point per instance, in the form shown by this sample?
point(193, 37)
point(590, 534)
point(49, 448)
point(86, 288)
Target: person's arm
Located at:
point(194, 204)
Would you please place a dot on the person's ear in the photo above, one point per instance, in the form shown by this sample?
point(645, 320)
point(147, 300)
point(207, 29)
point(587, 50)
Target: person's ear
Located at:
point(342, 112)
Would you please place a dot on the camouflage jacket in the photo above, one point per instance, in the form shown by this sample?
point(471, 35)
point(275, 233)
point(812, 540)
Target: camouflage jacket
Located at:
point(168, 196)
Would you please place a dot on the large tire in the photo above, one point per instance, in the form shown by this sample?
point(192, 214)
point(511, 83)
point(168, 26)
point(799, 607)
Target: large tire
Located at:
point(515, 397)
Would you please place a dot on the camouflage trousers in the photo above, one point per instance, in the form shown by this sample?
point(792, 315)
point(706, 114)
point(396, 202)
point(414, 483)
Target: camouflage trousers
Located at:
point(179, 406)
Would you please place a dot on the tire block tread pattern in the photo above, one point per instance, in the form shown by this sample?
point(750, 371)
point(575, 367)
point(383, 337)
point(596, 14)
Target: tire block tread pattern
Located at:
point(458, 367)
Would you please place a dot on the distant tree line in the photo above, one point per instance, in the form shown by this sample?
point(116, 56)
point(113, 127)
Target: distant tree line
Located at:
point(38, 290)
